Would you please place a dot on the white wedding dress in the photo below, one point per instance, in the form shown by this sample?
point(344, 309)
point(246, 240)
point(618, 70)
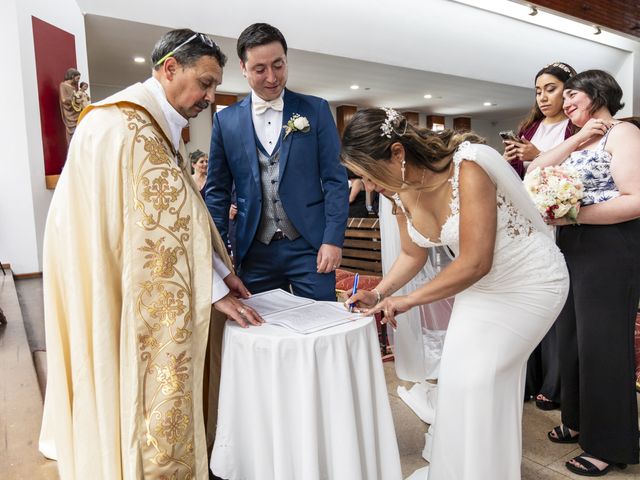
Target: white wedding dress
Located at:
point(418, 339)
point(494, 326)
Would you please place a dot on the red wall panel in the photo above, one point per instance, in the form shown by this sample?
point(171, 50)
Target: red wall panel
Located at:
point(55, 52)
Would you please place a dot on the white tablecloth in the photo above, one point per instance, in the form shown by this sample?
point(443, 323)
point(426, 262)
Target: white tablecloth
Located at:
point(304, 407)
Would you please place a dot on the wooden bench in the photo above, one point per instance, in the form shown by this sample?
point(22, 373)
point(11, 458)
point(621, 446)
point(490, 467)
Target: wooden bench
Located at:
point(361, 251)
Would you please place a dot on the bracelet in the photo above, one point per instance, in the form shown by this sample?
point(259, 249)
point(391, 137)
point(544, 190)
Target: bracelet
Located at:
point(378, 295)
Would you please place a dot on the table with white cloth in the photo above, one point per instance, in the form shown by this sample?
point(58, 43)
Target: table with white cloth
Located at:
point(304, 407)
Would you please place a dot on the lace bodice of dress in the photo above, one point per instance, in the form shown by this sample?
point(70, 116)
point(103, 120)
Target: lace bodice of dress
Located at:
point(521, 252)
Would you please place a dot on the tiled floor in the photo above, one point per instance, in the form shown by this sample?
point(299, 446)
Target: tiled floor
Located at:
point(542, 460)
point(30, 298)
point(20, 400)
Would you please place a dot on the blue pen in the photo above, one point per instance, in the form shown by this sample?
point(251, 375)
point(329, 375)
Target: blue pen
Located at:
point(355, 289)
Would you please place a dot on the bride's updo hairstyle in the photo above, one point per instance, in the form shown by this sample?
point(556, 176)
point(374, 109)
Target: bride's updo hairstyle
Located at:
point(367, 140)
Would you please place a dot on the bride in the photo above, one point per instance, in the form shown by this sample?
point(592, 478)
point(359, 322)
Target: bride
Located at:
point(508, 277)
point(418, 339)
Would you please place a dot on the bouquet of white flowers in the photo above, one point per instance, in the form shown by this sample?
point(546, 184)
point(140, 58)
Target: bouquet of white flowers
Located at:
point(555, 191)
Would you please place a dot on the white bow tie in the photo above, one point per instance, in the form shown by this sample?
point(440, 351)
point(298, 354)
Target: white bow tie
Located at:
point(260, 106)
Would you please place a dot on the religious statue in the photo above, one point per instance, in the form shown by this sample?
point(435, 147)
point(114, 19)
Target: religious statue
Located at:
point(67, 90)
point(80, 97)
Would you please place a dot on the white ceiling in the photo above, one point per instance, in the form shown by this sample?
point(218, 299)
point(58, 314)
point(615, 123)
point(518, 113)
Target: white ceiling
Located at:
point(461, 55)
point(112, 44)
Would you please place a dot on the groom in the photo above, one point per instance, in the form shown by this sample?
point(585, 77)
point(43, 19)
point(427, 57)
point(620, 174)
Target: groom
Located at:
point(292, 193)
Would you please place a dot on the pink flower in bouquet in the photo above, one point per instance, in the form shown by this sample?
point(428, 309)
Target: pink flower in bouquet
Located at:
point(555, 191)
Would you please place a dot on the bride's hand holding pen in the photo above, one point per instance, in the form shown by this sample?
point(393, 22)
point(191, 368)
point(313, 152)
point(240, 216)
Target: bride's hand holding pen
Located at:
point(362, 300)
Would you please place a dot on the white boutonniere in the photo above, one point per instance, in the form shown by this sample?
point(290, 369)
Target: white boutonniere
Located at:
point(296, 124)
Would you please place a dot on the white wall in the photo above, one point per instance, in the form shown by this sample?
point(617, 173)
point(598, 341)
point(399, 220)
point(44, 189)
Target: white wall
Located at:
point(17, 224)
point(628, 77)
point(100, 92)
point(24, 199)
point(200, 132)
point(490, 129)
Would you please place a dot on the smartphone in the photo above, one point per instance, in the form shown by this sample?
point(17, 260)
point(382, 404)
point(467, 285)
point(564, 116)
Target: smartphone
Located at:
point(509, 135)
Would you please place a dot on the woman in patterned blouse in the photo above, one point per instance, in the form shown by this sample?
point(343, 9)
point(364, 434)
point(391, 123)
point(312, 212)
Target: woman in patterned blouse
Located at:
point(602, 250)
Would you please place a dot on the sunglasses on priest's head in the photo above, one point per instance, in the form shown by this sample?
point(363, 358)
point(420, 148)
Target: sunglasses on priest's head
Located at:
point(200, 36)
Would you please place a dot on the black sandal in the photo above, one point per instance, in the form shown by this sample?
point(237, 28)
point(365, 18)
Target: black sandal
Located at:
point(546, 404)
point(563, 435)
point(590, 470)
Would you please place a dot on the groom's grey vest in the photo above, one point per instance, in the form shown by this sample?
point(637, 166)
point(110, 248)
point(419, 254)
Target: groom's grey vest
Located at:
point(273, 215)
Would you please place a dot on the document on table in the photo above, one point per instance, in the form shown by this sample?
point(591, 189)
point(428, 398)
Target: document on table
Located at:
point(275, 301)
point(299, 314)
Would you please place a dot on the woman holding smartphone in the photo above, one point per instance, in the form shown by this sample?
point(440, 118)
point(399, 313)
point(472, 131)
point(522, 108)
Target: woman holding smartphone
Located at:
point(546, 125)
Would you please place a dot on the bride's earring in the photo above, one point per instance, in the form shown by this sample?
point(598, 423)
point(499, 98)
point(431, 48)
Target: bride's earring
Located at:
point(403, 168)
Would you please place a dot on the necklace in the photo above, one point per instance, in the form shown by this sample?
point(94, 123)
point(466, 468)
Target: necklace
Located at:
point(430, 188)
point(437, 185)
point(420, 190)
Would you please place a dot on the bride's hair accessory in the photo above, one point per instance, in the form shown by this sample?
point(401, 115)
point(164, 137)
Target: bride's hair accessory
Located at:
point(562, 66)
point(391, 123)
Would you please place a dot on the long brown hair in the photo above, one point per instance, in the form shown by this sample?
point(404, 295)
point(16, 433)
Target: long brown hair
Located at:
point(563, 72)
point(366, 149)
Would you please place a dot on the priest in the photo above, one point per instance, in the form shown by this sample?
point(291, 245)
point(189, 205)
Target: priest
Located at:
point(132, 266)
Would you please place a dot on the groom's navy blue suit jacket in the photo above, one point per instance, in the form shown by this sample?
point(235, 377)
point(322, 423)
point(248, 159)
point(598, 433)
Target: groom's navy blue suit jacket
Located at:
point(312, 185)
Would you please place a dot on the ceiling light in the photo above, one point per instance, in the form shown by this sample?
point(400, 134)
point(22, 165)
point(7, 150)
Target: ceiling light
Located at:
point(487, 104)
point(428, 96)
point(354, 87)
point(597, 30)
point(533, 11)
point(139, 59)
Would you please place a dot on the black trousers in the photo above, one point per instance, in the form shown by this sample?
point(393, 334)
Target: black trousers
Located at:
point(543, 368)
point(596, 338)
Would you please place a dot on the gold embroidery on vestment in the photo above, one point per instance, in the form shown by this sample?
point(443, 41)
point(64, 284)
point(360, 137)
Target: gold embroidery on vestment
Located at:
point(163, 301)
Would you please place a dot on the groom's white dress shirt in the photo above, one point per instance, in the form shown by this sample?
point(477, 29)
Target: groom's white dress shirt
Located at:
point(267, 124)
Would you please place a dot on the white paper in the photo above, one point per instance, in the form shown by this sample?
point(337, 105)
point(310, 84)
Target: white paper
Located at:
point(312, 318)
point(299, 314)
point(275, 301)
